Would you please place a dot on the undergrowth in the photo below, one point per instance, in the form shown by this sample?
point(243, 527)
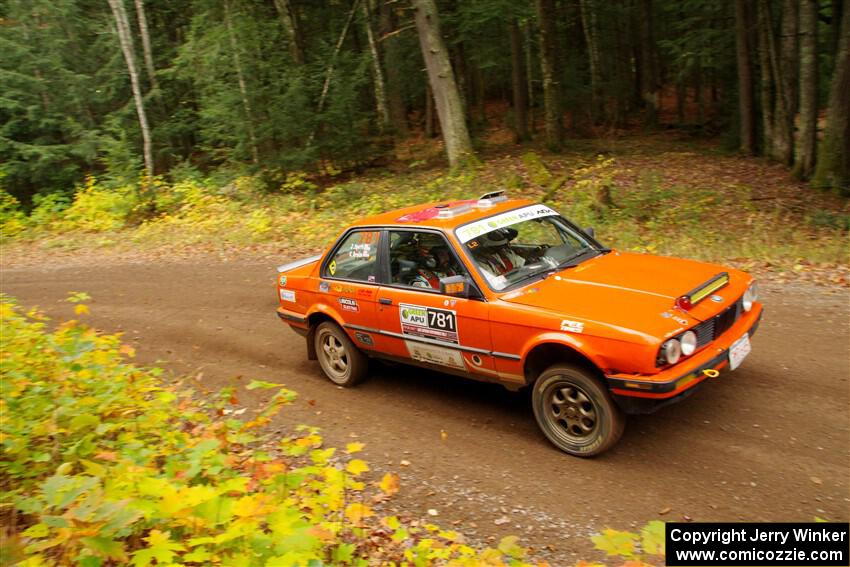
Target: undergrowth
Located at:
point(630, 210)
point(104, 463)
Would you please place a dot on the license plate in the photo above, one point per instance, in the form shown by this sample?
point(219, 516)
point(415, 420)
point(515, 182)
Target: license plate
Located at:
point(739, 351)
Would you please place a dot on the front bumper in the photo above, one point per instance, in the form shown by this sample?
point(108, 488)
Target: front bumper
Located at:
point(679, 381)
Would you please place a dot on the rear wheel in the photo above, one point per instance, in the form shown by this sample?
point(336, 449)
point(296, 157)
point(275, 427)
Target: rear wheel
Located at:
point(340, 360)
point(575, 411)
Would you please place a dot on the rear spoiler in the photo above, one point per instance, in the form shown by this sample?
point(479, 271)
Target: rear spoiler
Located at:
point(702, 291)
point(298, 263)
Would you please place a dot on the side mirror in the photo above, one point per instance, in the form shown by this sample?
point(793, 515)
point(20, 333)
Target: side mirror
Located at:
point(456, 286)
point(590, 232)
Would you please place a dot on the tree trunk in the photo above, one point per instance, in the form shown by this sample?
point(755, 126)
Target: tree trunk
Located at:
point(549, 70)
point(292, 30)
point(648, 67)
point(519, 82)
point(380, 92)
point(790, 56)
point(833, 163)
point(765, 83)
point(146, 42)
point(122, 24)
point(429, 111)
point(529, 70)
point(392, 61)
point(243, 87)
point(804, 156)
point(745, 78)
point(442, 81)
point(782, 147)
point(588, 23)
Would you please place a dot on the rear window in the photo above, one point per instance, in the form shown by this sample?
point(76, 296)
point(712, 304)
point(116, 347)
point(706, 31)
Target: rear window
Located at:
point(356, 258)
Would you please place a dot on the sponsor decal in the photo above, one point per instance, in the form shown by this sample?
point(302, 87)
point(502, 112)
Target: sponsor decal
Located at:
point(679, 320)
point(324, 287)
point(476, 360)
point(364, 338)
point(370, 279)
point(349, 304)
point(716, 299)
point(282, 281)
point(428, 322)
point(339, 288)
point(477, 228)
point(287, 295)
point(366, 293)
point(667, 315)
point(572, 326)
point(435, 355)
point(332, 267)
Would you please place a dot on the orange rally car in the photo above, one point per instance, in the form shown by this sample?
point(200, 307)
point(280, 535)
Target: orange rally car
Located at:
point(508, 291)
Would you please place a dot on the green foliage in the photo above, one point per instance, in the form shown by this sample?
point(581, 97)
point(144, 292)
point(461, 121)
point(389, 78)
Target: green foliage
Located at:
point(103, 462)
point(636, 548)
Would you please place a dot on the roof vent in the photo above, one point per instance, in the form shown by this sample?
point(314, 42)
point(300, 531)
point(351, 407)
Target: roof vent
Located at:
point(490, 199)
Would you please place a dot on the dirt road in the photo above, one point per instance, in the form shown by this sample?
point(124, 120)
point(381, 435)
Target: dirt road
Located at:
point(769, 442)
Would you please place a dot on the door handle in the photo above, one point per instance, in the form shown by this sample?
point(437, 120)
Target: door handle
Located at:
point(385, 301)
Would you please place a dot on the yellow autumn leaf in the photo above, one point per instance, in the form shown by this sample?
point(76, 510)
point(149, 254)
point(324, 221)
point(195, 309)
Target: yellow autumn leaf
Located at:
point(248, 506)
point(127, 350)
point(390, 484)
point(355, 513)
point(357, 466)
point(81, 309)
point(355, 447)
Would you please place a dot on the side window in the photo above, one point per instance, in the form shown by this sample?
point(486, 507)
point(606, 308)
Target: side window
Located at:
point(356, 258)
point(420, 259)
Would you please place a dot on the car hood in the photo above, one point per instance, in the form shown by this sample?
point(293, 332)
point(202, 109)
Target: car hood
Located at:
point(633, 291)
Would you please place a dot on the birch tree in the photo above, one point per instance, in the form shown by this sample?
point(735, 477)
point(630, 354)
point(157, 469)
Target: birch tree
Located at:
point(125, 39)
point(146, 42)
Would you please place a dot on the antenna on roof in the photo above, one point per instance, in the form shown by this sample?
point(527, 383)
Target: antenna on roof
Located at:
point(491, 198)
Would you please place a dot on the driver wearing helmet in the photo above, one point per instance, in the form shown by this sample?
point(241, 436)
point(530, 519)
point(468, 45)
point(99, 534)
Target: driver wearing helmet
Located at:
point(434, 263)
point(494, 253)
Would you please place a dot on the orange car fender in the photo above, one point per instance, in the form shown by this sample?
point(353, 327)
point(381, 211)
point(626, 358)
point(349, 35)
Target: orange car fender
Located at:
point(328, 311)
point(580, 344)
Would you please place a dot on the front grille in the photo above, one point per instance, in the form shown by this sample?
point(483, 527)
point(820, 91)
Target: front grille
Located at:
point(712, 328)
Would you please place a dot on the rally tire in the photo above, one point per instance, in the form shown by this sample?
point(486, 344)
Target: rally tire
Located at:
point(575, 411)
point(341, 361)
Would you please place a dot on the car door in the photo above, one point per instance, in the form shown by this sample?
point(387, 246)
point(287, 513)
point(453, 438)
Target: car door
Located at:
point(422, 324)
point(348, 287)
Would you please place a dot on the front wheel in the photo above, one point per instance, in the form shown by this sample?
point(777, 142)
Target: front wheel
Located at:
point(575, 411)
point(340, 360)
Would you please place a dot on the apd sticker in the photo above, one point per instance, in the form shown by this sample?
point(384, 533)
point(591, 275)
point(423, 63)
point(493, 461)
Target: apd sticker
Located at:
point(287, 295)
point(572, 326)
point(349, 304)
point(324, 287)
point(428, 322)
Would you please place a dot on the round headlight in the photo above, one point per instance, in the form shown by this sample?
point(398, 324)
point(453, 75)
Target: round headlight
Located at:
point(689, 343)
point(751, 296)
point(672, 350)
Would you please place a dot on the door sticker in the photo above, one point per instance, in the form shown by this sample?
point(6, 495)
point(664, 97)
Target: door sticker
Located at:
point(287, 295)
point(349, 304)
point(364, 338)
point(428, 322)
point(435, 355)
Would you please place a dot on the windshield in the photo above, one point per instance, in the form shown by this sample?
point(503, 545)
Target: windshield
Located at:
point(518, 245)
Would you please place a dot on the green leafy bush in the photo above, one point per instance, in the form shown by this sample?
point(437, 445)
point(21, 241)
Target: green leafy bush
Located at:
point(105, 463)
